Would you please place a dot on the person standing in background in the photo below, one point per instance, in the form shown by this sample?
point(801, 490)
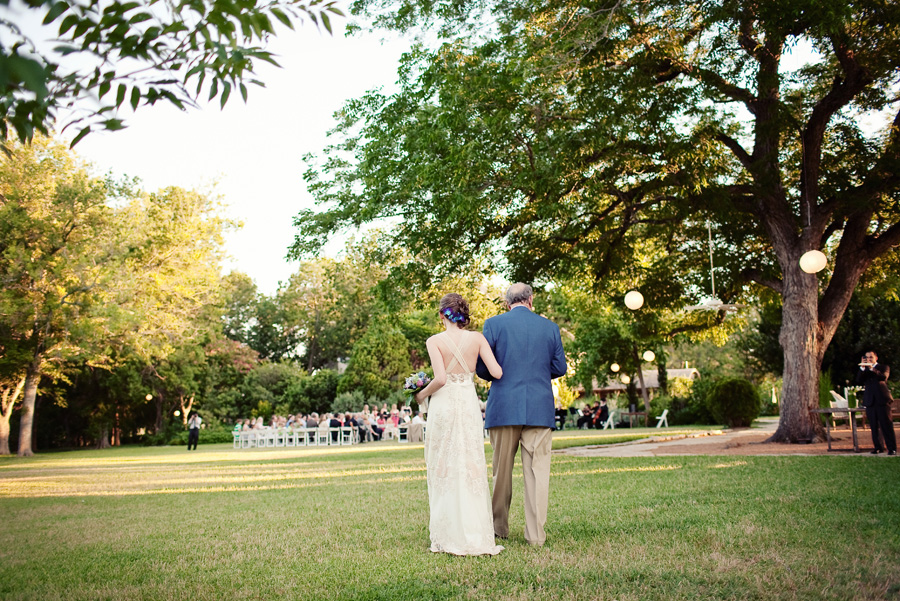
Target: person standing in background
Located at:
point(877, 401)
point(194, 422)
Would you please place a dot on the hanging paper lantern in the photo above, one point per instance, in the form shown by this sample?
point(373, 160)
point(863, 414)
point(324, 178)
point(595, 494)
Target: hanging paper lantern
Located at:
point(177, 413)
point(649, 356)
point(634, 300)
point(625, 379)
point(614, 367)
point(813, 261)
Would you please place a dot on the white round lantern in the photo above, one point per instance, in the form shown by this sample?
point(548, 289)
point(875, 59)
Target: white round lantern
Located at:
point(625, 379)
point(649, 356)
point(177, 413)
point(149, 397)
point(614, 367)
point(634, 300)
point(813, 261)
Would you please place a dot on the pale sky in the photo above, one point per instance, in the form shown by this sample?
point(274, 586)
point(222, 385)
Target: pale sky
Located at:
point(253, 152)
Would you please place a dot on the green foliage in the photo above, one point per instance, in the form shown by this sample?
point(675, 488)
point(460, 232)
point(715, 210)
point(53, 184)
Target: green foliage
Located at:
point(264, 410)
point(108, 56)
point(734, 402)
point(379, 363)
point(688, 405)
point(327, 305)
point(566, 395)
point(348, 401)
point(315, 393)
point(681, 387)
point(825, 388)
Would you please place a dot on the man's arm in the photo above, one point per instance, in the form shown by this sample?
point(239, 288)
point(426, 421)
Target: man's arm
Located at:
point(480, 367)
point(558, 365)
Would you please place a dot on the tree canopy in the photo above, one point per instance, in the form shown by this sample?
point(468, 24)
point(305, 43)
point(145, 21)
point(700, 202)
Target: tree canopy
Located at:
point(597, 142)
point(106, 56)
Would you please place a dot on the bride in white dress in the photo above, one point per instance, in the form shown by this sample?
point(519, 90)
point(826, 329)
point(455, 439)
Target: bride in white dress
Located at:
point(459, 499)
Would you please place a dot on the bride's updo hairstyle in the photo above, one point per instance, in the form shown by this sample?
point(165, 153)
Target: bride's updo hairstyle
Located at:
point(455, 308)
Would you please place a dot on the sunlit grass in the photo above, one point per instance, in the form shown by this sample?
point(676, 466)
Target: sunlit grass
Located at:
point(352, 523)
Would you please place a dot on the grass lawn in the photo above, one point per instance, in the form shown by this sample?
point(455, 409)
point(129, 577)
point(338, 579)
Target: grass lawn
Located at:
point(351, 523)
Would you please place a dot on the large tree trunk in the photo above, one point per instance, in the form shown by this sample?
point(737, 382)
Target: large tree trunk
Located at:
point(800, 387)
point(10, 396)
point(103, 440)
point(644, 394)
point(185, 408)
point(32, 379)
point(4, 433)
point(159, 411)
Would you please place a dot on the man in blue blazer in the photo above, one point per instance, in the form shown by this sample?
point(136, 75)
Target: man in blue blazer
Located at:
point(520, 407)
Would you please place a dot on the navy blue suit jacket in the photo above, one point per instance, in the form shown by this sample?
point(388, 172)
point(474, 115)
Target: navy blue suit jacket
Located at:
point(529, 349)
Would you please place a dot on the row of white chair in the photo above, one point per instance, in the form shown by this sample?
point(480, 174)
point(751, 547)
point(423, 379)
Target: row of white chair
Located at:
point(294, 437)
point(311, 437)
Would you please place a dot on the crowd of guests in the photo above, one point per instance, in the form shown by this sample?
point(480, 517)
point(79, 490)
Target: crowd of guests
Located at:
point(370, 424)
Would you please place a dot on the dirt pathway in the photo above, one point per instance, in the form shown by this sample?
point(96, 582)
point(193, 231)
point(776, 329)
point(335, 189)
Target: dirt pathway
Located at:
point(742, 441)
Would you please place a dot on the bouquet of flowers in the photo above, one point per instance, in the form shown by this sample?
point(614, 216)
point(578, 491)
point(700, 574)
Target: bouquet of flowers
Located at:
point(415, 383)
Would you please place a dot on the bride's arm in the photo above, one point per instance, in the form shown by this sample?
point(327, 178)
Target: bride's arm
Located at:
point(440, 374)
point(487, 355)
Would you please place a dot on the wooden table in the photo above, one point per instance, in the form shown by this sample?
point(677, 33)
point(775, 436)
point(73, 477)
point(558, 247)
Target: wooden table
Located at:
point(849, 410)
point(633, 414)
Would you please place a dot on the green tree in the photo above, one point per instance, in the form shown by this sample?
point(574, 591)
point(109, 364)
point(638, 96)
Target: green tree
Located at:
point(576, 142)
point(239, 299)
point(85, 282)
point(379, 362)
point(53, 222)
point(110, 55)
point(327, 304)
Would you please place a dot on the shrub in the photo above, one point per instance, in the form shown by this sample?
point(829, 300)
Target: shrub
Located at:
point(691, 408)
point(734, 402)
point(348, 401)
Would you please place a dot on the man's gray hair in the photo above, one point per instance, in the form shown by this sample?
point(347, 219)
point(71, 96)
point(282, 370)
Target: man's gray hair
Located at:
point(518, 293)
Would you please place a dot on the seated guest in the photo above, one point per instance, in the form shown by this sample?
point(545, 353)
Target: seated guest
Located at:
point(336, 421)
point(585, 419)
point(416, 428)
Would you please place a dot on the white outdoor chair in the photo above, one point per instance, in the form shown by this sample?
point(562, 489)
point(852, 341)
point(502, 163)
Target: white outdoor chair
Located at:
point(323, 437)
point(403, 433)
point(237, 439)
point(610, 421)
point(251, 439)
point(271, 436)
point(347, 435)
point(280, 438)
point(290, 437)
point(663, 419)
point(310, 435)
point(839, 402)
point(334, 435)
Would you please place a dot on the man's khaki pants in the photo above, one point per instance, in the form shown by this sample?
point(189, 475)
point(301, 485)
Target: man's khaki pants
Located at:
point(536, 444)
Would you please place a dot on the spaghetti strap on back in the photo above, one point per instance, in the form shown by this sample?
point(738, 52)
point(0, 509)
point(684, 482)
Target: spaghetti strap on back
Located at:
point(457, 354)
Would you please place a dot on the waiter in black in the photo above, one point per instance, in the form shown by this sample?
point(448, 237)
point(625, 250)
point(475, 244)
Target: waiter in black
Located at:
point(877, 401)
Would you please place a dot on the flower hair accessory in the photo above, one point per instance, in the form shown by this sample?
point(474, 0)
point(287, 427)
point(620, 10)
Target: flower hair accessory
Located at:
point(453, 316)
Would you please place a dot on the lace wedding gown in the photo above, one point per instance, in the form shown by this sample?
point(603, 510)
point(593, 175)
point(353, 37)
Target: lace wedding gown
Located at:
point(461, 521)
